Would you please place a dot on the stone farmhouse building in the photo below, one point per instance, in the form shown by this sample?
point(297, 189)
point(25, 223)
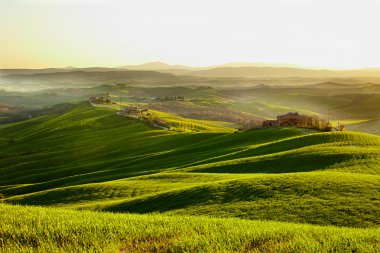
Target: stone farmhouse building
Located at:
point(291, 119)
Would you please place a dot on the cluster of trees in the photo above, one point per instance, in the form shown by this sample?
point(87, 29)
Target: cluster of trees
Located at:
point(102, 100)
point(317, 123)
point(323, 125)
point(326, 127)
point(340, 127)
point(154, 120)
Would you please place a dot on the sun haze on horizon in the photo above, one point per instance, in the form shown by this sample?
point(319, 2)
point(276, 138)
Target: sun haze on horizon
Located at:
point(110, 33)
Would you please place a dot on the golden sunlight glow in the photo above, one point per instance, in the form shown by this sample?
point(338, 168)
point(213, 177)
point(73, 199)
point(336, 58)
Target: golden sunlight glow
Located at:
point(59, 33)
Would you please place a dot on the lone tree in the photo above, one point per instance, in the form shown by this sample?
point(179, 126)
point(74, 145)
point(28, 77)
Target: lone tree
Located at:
point(340, 127)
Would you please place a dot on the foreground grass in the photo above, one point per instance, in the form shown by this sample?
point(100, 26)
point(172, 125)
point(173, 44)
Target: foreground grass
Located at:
point(37, 229)
point(322, 198)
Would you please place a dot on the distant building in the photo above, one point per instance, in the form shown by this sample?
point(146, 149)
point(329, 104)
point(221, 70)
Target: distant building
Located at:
point(291, 119)
point(269, 123)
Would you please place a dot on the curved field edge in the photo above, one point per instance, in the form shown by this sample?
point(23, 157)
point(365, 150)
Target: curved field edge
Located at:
point(324, 198)
point(39, 229)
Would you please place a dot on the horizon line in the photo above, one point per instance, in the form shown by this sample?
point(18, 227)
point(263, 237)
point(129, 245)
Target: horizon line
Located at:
point(222, 65)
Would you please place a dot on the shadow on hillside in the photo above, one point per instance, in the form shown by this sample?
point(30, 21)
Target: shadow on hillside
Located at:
point(281, 164)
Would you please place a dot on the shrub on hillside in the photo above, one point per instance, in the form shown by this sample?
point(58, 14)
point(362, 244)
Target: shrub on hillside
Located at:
point(328, 127)
point(341, 128)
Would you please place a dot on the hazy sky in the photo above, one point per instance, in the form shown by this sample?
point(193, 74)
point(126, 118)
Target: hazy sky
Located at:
point(59, 33)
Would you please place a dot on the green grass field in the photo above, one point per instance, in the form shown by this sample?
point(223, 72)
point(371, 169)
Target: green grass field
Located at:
point(181, 124)
point(36, 229)
point(91, 159)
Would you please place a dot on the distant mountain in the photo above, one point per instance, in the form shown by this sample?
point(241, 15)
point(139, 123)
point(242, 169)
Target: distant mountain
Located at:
point(272, 72)
point(256, 64)
point(164, 66)
point(253, 70)
point(90, 76)
point(52, 70)
point(157, 66)
point(234, 70)
point(186, 70)
point(260, 72)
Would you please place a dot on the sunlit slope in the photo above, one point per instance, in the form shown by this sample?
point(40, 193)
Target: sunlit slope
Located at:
point(269, 111)
point(177, 123)
point(105, 193)
point(91, 158)
point(319, 198)
point(84, 140)
point(91, 144)
point(344, 151)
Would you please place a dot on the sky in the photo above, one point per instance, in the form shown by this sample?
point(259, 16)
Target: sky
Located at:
point(110, 33)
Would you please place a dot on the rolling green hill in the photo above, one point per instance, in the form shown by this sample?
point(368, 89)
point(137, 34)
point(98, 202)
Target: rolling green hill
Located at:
point(91, 158)
point(75, 158)
point(246, 107)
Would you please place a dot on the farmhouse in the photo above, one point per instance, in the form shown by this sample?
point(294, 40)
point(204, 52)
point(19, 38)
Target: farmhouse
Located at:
point(269, 123)
point(291, 119)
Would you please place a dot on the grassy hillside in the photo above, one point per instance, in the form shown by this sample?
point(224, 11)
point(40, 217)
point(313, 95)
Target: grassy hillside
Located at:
point(318, 198)
point(35, 229)
point(178, 123)
point(91, 158)
point(245, 105)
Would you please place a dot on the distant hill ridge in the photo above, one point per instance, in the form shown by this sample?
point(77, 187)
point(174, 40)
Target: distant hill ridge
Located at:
point(238, 69)
point(254, 70)
point(88, 76)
